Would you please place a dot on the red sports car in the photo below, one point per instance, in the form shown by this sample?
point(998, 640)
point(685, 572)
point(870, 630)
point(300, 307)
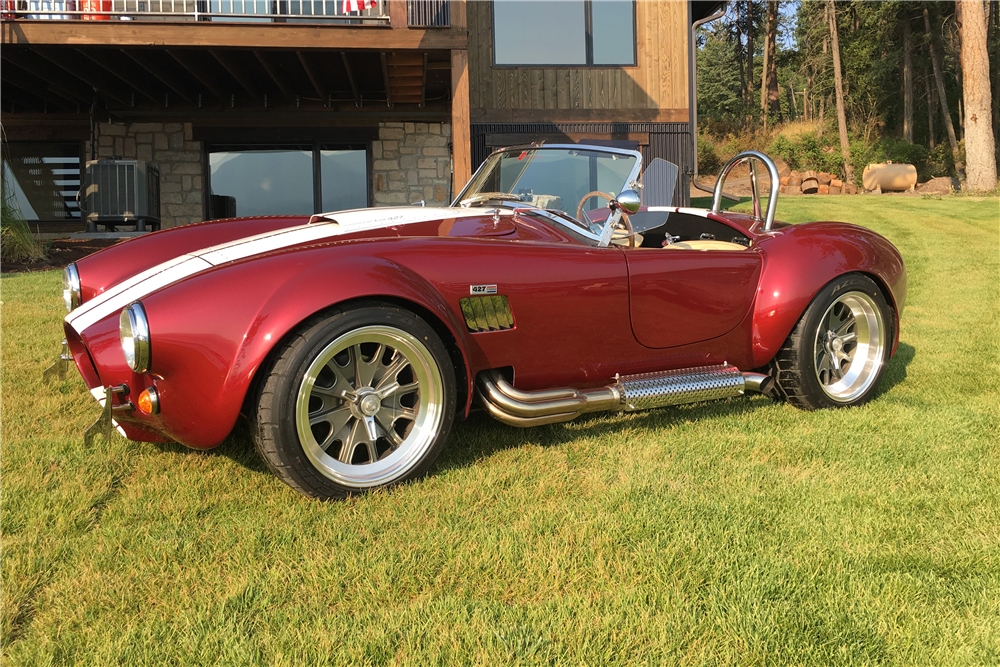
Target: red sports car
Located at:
point(352, 340)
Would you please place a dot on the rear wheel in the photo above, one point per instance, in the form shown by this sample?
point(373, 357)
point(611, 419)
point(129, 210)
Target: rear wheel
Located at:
point(837, 353)
point(359, 399)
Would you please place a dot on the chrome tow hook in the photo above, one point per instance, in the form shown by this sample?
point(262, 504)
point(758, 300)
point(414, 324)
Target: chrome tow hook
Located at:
point(60, 367)
point(104, 424)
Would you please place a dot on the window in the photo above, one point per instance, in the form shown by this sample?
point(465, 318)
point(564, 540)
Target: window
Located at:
point(564, 32)
point(302, 179)
point(44, 179)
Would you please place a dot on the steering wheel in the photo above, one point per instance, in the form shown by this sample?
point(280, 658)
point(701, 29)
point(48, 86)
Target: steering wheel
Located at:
point(625, 222)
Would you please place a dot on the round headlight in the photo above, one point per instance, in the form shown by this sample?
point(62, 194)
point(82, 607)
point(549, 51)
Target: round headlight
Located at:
point(133, 327)
point(71, 287)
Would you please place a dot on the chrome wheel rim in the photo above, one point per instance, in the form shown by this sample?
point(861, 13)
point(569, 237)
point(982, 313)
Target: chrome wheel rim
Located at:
point(850, 345)
point(369, 406)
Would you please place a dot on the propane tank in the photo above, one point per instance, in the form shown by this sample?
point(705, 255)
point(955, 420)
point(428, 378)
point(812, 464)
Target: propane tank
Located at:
point(889, 176)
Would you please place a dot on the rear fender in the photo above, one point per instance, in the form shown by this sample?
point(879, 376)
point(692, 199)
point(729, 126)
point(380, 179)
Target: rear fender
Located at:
point(800, 260)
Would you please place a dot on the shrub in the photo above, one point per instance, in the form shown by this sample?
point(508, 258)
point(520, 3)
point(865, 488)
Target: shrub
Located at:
point(16, 242)
point(708, 159)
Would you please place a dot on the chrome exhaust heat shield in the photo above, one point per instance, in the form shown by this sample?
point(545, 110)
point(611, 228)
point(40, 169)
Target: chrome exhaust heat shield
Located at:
point(629, 393)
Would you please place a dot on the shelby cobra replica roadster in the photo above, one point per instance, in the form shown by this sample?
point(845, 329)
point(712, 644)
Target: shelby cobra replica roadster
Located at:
point(352, 340)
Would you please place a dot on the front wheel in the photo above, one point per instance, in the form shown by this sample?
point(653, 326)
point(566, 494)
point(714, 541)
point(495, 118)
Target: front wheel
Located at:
point(837, 353)
point(359, 399)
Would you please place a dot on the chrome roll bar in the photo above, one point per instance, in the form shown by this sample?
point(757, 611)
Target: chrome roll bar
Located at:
point(751, 157)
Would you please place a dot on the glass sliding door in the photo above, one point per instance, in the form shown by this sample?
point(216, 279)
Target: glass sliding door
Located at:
point(248, 180)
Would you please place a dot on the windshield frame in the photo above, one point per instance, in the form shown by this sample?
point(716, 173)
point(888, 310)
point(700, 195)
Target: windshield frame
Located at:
point(580, 227)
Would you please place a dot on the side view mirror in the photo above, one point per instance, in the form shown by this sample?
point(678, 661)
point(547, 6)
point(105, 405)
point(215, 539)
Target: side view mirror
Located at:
point(630, 201)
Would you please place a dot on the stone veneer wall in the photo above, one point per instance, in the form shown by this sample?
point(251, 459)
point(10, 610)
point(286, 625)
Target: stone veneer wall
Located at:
point(412, 162)
point(169, 147)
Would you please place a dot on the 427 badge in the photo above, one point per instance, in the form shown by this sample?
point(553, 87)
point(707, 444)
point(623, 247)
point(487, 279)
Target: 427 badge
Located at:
point(479, 290)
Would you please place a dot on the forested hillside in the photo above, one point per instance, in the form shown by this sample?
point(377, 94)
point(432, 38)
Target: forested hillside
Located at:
point(914, 75)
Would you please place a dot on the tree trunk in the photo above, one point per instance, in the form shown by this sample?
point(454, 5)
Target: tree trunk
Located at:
point(739, 52)
point(907, 82)
point(822, 109)
point(959, 71)
point(773, 93)
point(942, 96)
point(979, 139)
point(838, 83)
point(750, 87)
point(763, 78)
point(931, 138)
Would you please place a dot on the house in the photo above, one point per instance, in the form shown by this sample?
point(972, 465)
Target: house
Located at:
point(254, 107)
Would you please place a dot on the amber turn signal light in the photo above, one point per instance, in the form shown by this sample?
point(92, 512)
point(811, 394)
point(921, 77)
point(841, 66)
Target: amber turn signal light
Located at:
point(149, 401)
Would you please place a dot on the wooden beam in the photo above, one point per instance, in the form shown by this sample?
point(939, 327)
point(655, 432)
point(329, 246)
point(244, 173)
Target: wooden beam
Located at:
point(229, 35)
point(57, 80)
point(279, 81)
point(579, 115)
point(76, 66)
point(235, 69)
point(518, 138)
point(350, 79)
point(141, 87)
point(397, 14)
point(385, 77)
point(423, 82)
point(22, 79)
point(412, 59)
point(30, 90)
point(166, 76)
point(193, 66)
point(460, 131)
point(317, 84)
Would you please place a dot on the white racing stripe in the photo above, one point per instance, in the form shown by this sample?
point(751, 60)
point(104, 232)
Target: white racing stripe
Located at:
point(114, 300)
point(323, 227)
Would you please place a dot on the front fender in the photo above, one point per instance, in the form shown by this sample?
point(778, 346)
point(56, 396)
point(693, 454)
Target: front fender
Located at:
point(212, 332)
point(800, 260)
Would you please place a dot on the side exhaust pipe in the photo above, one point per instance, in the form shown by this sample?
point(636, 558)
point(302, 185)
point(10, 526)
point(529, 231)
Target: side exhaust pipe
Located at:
point(629, 393)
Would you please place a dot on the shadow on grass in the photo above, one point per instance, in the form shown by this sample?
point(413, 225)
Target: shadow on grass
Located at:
point(895, 371)
point(706, 202)
point(480, 436)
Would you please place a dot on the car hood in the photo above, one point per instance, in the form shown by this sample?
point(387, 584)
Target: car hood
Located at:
point(127, 272)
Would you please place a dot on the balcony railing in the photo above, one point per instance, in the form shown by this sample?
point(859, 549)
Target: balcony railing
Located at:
point(244, 11)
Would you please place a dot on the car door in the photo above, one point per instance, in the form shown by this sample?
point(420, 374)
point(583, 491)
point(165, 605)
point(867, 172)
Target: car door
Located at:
point(678, 297)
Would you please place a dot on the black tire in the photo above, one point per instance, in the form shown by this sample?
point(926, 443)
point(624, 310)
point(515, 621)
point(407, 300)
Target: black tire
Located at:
point(317, 439)
point(820, 366)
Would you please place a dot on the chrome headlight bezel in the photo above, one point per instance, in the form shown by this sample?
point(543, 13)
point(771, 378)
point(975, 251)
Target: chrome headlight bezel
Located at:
point(133, 330)
point(72, 294)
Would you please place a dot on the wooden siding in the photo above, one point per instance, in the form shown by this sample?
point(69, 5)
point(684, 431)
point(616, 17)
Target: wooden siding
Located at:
point(656, 89)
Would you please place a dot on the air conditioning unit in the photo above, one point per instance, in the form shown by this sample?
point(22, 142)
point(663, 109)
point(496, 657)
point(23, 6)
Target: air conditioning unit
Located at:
point(122, 192)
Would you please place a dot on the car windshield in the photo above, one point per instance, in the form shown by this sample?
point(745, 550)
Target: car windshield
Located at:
point(556, 178)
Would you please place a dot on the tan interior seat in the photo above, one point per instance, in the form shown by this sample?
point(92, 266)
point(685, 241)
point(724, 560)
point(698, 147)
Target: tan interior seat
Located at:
point(704, 244)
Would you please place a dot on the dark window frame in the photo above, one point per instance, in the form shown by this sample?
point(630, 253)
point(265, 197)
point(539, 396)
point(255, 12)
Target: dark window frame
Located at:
point(588, 17)
point(315, 146)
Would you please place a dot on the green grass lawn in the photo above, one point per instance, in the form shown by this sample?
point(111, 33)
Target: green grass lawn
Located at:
point(742, 532)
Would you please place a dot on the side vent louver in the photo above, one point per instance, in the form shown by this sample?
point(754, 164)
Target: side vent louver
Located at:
point(487, 313)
